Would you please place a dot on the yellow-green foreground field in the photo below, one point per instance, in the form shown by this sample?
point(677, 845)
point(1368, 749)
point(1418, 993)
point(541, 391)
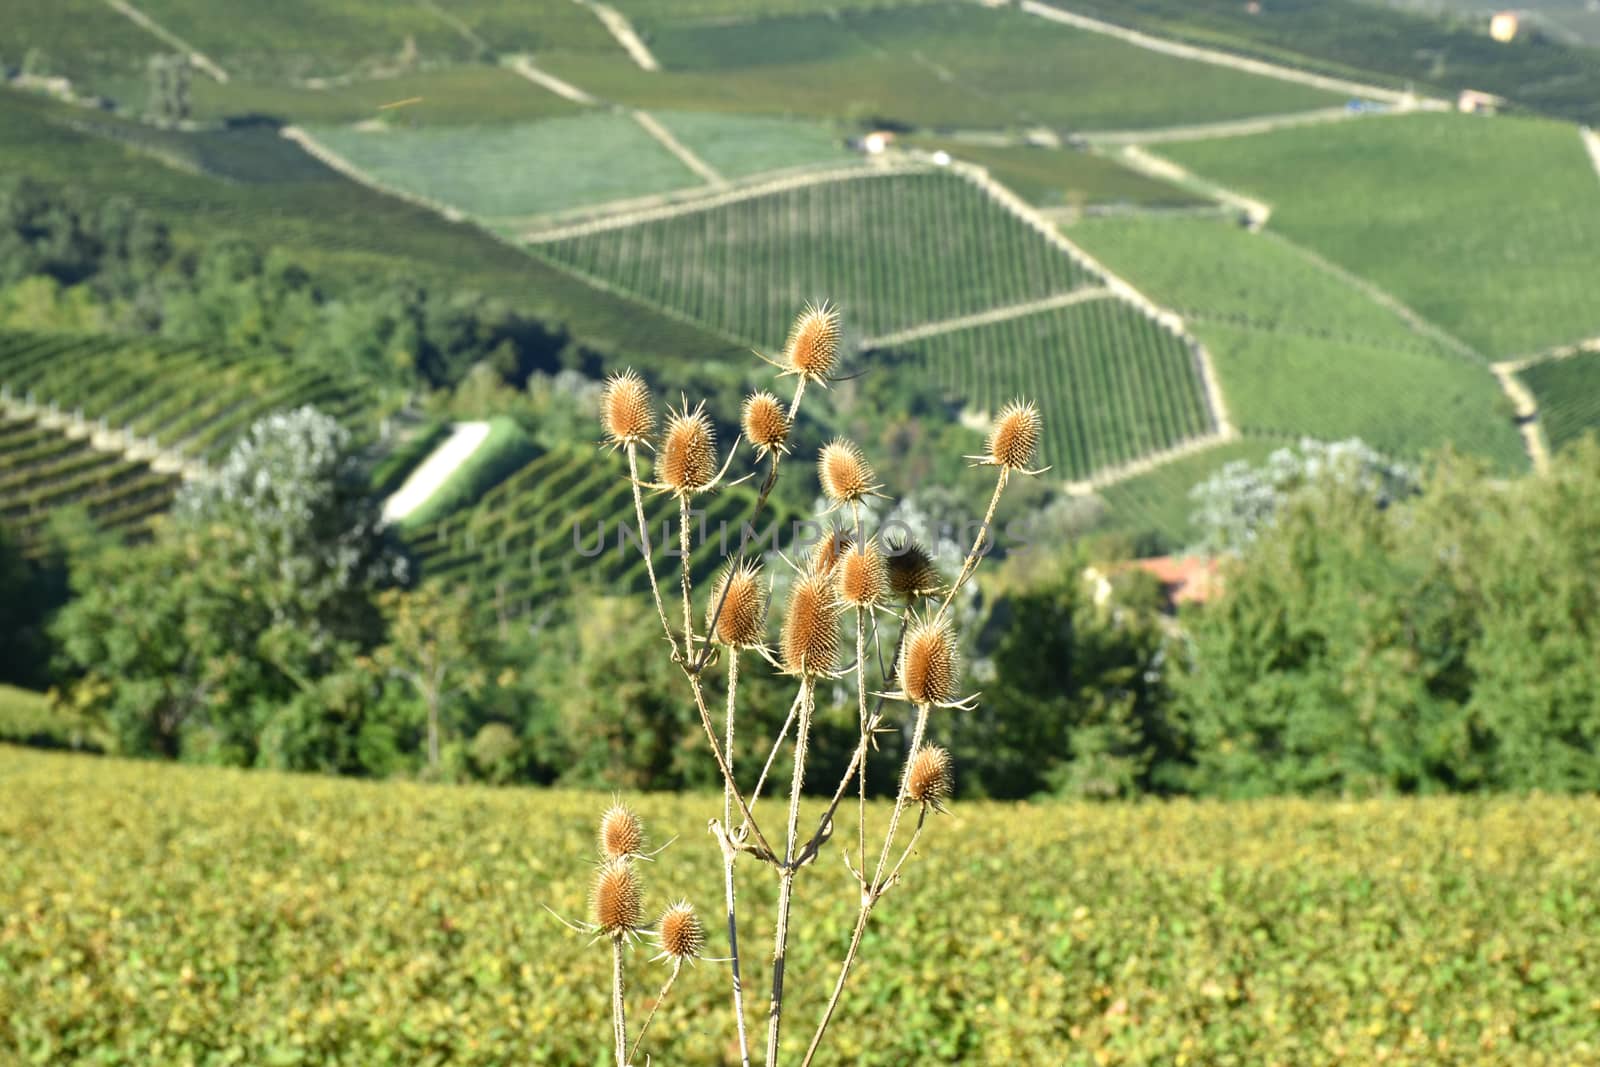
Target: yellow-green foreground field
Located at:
point(160, 914)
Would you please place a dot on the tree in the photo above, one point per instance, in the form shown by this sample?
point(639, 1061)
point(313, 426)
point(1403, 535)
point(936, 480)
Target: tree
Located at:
point(436, 647)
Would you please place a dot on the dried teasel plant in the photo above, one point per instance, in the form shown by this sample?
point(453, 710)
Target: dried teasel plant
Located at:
point(853, 574)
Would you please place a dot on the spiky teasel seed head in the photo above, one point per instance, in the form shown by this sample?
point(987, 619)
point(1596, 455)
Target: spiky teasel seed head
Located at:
point(617, 899)
point(625, 409)
point(1015, 437)
point(811, 626)
point(743, 622)
point(621, 833)
point(929, 779)
point(688, 453)
point(912, 574)
point(844, 472)
point(862, 576)
point(813, 346)
point(825, 555)
point(930, 664)
point(680, 932)
point(765, 423)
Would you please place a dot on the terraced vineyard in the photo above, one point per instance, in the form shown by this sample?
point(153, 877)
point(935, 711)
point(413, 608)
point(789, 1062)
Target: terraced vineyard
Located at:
point(895, 250)
point(534, 536)
point(190, 400)
point(740, 145)
point(43, 470)
point(1157, 501)
point(1568, 394)
point(1489, 228)
point(472, 93)
point(1113, 384)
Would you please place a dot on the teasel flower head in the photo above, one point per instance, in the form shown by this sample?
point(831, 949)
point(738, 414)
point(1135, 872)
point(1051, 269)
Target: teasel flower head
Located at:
point(1014, 440)
point(845, 474)
point(862, 576)
point(810, 639)
point(743, 622)
point(930, 664)
point(625, 410)
point(812, 351)
point(929, 778)
point(912, 575)
point(686, 461)
point(621, 833)
point(680, 933)
point(617, 899)
point(826, 553)
point(765, 422)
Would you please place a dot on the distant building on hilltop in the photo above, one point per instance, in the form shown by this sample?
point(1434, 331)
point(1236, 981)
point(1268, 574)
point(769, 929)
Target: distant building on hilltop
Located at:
point(1504, 26)
point(1183, 580)
point(1472, 102)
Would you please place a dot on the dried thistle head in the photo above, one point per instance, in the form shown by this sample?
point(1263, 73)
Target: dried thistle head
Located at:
point(912, 574)
point(844, 472)
point(625, 409)
point(1015, 438)
point(930, 664)
point(688, 452)
point(813, 347)
point(617, 899)
point(621, 833)
point(825, 555)
point(765, 422)
point(680, 932)
point(929, 778)
point(743, 622)
point(862, 576)
point(810, 639)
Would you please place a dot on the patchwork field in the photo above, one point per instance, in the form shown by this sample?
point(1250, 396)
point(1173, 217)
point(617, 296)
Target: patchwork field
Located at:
point(939, 65)
point(194, 914)
point(1057, 177)
point(737, 146)
point(326, 222)
point(1568, 394)
point(1487, 227)
point(1113, 384)
point(503, 174)
point(517, 548)
point(894, 250)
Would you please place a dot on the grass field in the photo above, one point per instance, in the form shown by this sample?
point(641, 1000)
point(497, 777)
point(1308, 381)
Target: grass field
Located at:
point(935, 65)
point(739, 145)
point(191, 915)
point(328, 224)
point(894, 250)
point(79, 39)
point(510, 173)
point(1112, 384)
point(1400, 401)
point(462, 94)
point(1055, 177)
point(1568, 394)
point(1489, 228)
point(1158, 501)
point(1213, 270)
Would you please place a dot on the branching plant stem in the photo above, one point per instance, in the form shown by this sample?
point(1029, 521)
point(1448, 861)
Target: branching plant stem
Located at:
point(638, 1040)
point(728, 857)
point(787, 871)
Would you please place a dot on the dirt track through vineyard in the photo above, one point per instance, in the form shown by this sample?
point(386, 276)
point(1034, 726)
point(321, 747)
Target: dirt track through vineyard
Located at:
point(150, 25)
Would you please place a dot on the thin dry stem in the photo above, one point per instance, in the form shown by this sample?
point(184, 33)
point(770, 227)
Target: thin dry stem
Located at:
point(780, 941)
point(687, 582)
point(728, 857)
point(638, 1040)
point(794, 711)
point(619, 1021)
point(644, 540)
point(970, 564)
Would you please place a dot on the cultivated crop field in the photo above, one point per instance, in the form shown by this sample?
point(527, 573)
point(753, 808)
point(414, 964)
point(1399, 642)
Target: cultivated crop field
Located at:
point(1112, 383)
point(1400, 401)
point(1157, 501)
point(741, 145)
point(1568, 394)
point(1489, 228)
point(935, 65)
point(1057, 177)
point(503, 174)
point(894, 250)
point(516, 549)
point(185, 914)
point(471, 93)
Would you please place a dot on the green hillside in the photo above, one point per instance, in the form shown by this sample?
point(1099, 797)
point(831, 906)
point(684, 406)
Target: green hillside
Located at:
point(894, 251)
point(1487, 227)
point(1568, 394)
point(1157, 501)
